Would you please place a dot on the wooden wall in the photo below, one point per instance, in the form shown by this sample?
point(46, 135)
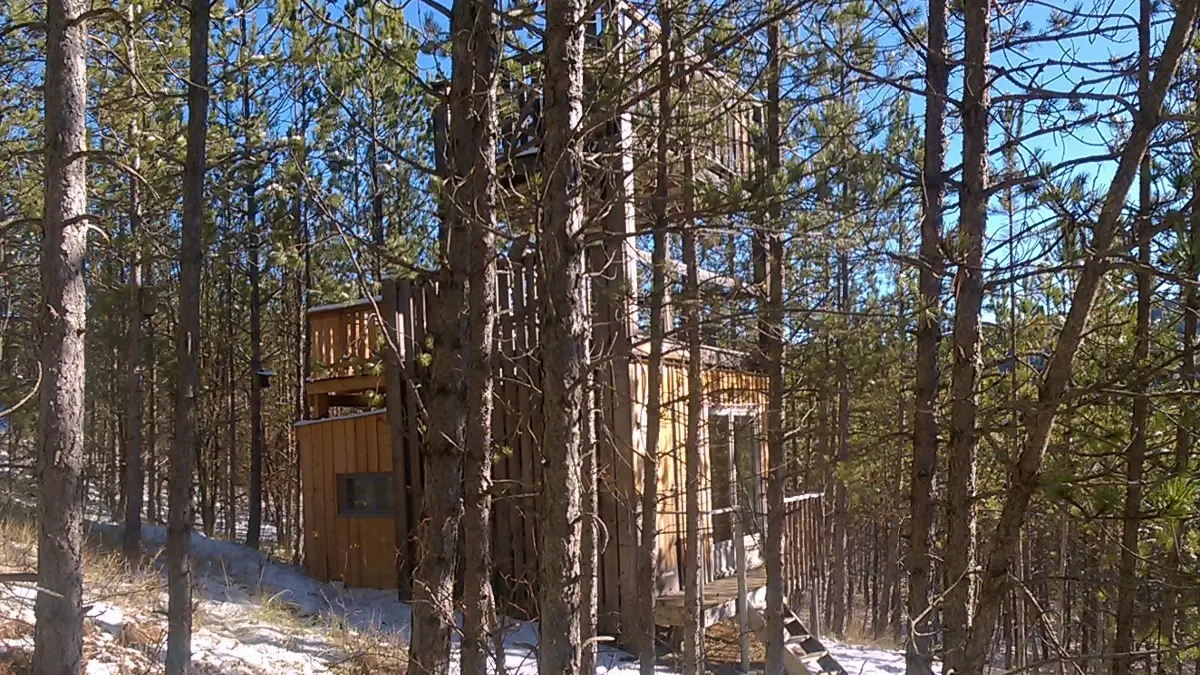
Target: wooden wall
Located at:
point(361, 551)
point(723, 387)
point(516, 428)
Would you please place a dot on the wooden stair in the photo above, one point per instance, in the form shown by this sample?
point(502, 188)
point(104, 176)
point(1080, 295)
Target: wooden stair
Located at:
point(803, 652)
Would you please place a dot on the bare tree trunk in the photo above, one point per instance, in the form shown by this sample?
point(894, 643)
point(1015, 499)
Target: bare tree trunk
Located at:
point(58, 632)
point(773, 351)
point(839, 580)
point(564, 340)
point(589, 542)
point(134, 476)
point(1024, 476)
point(303, 330)
point(152, 464)
point(231, 420)
point(442, 507)
point(257, 440)
point(919, 647)
point(473, 128)
point(693, 568)
point(187, 347)
point(647, 552)
point(1176, 575)
point(1135, 453)
point(966, 352)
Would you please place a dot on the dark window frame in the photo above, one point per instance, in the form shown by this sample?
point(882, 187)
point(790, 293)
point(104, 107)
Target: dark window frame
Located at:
point(344, 494)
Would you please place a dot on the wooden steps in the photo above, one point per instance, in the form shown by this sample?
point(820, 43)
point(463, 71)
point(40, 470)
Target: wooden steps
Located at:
point(803, 653)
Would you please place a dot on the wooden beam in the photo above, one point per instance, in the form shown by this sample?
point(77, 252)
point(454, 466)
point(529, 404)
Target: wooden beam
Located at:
point(348, 401)
point(393, 346)
point(704, 276)
point(351, 384)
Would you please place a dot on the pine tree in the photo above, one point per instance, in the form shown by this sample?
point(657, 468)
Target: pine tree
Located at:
point(562, 314)
point(58, 632)
point(187, 346)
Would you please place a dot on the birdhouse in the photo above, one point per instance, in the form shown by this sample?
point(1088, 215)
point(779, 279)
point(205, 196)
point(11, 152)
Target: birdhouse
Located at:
point(262, 378)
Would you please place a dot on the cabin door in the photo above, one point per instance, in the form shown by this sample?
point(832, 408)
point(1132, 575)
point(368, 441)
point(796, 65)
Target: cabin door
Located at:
point(735, 461)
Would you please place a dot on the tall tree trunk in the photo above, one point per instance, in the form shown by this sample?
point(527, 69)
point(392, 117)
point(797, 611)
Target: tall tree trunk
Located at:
point(152, 473)
point(589, 542)
point(58, 632)
point(839, 579)
point(445, 437)
point(1024, 476)
point(647, 551)
point(563, 311)
point(473, 130)
point(1176, 574)
point(187, 349)
point(967, 345)
point(134, 476)
point(257, 434)
point(919, 647)
point(231, 420)
point(1135, 453)
point(693, 568)
point(773, 343)
point(303, 329)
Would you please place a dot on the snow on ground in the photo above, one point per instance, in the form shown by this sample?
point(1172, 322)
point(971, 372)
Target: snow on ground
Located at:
point(256, 615)
point(234, 581)
point(863, 660)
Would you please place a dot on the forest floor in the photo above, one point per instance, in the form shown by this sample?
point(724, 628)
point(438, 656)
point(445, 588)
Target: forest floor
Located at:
point(256, 615)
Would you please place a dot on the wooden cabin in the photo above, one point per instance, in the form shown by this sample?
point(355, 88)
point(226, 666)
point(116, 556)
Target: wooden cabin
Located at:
point(354, 514)
point(361, 451)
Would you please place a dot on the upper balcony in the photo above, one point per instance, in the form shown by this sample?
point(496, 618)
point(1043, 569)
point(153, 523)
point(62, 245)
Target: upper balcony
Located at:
point(346, 355)
point(723, 130)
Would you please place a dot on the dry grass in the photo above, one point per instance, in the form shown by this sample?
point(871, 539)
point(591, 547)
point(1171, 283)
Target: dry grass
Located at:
point(138, 642)
point(366, 652)
point(144, 636)
point(16, 662)
point(15, 629)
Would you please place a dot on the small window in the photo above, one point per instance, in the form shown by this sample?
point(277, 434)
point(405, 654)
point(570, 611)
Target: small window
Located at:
point(366, 494)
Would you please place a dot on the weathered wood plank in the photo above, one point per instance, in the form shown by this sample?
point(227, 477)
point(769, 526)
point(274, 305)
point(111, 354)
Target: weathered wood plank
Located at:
point(329, 502)
point(338, 432)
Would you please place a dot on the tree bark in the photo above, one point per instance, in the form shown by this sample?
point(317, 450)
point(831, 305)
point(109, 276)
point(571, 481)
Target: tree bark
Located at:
point(693, 568)
point(445, 437)
point(231, 419)
point(1135, 452)
point(840, 590)
point(153, 510)
point(1025, 474)
point(187, 349)
point(968, 336)
point(1176, 574)
point(647, 552)
point(773, 351)
point(250, 188)
point(919, 647)
point(135, 482)
point(58, 632)
point(563, 311)
point(473, 131)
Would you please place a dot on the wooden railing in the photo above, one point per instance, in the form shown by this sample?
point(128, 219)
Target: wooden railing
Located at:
point(725, 139)
point(803, 533)
point(345, 339)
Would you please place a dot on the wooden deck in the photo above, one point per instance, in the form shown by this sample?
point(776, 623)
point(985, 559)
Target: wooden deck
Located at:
point(719, 599)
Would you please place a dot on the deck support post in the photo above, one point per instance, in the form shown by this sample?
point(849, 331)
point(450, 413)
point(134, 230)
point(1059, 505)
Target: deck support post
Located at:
point(739, 539)
point(739, 548)
point(393, 351)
